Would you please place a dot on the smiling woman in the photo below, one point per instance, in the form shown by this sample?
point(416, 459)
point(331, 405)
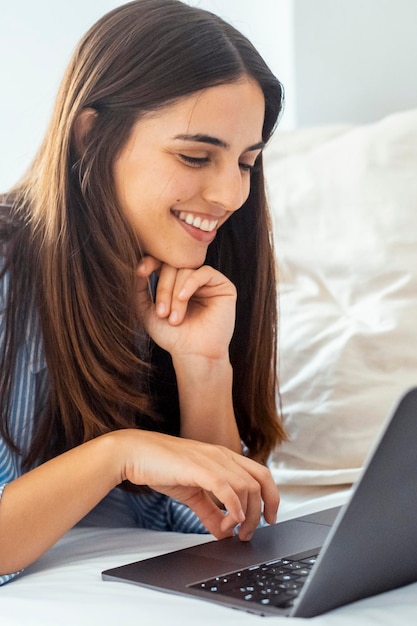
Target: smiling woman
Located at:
point(137, 291)
point(206, 166)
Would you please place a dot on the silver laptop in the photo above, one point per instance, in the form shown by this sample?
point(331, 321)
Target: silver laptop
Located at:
point(311, 564)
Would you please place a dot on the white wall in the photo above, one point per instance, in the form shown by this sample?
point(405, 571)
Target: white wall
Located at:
point(37, 38)
point(340, 60)
point(355, 60)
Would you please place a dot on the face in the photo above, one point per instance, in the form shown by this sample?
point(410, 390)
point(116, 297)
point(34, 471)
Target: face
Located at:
point(186, 169)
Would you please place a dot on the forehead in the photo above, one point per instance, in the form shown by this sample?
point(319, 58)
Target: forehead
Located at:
point(232, 111)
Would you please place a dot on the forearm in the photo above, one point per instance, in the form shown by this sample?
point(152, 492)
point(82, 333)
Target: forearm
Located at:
point(206, 404)
point(40, 506)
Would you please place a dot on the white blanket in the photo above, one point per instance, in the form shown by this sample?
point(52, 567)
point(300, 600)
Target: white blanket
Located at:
point(65, 587)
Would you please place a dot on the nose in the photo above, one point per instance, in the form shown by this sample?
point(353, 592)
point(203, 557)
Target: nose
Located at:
point(228, 189)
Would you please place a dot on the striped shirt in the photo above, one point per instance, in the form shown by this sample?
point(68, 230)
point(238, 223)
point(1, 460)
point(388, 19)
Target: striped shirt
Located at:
point(29, 394)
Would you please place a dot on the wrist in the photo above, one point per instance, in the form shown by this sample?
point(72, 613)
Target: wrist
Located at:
point(202, 367)
point(113, 450)
point(206, 401)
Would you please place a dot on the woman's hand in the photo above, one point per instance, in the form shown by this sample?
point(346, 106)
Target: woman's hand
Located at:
point(40, 506)
point(190, 471)
point(194, 310)
point(193, 318)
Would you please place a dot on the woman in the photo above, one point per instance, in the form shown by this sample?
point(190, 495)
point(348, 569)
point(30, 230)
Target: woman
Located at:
point(138, 321)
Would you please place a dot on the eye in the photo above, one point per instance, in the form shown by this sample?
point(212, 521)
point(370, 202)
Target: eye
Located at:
point(194, 161)
point(246, 167)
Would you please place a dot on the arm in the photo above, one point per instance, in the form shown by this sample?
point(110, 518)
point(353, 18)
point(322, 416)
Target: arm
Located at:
point(193, 319)
point(40, 506)
point(205, 392)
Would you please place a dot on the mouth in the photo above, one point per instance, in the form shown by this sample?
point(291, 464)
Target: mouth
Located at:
point(204, 224)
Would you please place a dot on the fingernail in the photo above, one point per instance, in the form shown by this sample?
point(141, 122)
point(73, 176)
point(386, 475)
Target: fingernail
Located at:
point(173, 318)
point(245, 536)
point(160, 309)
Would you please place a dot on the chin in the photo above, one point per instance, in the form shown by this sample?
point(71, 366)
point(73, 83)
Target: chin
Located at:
point(188, 265)
point(187, 262)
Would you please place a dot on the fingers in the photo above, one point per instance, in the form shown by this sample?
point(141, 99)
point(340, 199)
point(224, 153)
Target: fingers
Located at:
point(185, 469)
point(169, 300)
point(226, 482)
point(144, 296)
point(269, 493)
point(169, 297)
point(257, 494)
point(176, 287)
point(214, 519)
point(245, 488)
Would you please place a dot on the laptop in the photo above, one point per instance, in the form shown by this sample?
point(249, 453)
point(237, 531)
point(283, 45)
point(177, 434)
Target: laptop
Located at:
point(311, 564)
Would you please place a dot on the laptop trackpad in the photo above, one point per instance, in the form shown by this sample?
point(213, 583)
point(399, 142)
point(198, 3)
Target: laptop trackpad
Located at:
point(280, 540)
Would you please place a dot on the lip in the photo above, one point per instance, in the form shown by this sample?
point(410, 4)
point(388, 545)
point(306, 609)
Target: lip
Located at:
point(197, 234)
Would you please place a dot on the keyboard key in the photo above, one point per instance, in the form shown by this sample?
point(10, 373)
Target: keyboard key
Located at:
point(275, 583)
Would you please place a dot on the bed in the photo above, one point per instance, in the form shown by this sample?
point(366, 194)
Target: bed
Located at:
point(344, 204)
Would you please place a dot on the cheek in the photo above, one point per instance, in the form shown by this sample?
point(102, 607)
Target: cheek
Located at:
point(125, 184)
point(180, 186)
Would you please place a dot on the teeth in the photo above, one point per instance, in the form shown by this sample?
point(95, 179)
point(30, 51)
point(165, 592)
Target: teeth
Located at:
point(197, 222)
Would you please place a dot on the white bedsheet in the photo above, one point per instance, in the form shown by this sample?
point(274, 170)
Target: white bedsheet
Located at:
point(65, 588)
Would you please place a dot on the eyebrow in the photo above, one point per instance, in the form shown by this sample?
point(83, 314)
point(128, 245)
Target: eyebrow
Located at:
point(214, 141)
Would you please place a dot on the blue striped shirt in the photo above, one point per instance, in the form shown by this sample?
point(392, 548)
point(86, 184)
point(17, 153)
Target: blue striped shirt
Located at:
point(29, 394)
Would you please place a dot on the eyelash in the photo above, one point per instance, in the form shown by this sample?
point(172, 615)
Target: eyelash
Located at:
point(202, 161)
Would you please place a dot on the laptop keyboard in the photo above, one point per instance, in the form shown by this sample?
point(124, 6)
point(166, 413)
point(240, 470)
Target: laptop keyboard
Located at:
point(274, 583)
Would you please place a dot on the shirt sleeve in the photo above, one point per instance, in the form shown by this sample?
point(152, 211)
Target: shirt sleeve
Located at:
point(7, 465)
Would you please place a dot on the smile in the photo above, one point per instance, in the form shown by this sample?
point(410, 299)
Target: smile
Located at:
point(203, 224)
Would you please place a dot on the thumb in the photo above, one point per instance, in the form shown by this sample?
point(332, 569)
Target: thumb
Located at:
point(216, 521)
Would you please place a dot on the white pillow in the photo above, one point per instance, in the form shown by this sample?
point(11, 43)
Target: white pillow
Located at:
point(344, 205)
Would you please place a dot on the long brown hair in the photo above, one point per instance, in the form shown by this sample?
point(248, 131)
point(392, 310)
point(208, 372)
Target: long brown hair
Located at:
point(72, 240)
